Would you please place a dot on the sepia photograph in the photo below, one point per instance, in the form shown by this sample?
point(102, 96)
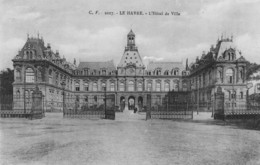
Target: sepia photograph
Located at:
point(140, 82)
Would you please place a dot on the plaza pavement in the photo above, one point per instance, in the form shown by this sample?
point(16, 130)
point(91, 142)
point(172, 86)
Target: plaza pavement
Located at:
point(127, 140)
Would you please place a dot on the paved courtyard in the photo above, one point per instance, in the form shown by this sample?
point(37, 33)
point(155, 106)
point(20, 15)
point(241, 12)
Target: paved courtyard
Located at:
point(54, 140)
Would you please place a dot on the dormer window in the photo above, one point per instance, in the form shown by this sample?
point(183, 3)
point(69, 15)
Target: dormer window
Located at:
point(85, 72)
point(229, 55)
point(175, 72)
point(103, 72)
point(158, 72)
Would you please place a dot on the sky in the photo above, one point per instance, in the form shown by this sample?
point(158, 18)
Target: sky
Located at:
point(69, 28)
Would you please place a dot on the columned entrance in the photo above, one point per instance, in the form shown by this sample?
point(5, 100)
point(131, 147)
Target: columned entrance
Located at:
point(131, 102)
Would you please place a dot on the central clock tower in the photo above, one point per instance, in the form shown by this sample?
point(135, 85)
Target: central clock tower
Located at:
point(131, 62)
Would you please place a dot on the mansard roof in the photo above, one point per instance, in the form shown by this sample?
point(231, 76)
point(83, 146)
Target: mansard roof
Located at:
point(109, 65)
point(36, 44)
point(165, 66)
point(223, 45)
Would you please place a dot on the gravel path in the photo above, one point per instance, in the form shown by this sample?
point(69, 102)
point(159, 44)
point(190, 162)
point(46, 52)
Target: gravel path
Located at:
point(54, 140)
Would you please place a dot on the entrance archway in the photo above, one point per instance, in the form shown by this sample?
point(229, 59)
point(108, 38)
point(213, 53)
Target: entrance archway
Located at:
point(140, 103)
point(131, 103)
point(122, 103)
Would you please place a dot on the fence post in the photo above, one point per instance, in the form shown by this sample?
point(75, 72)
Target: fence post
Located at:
point(192, 112)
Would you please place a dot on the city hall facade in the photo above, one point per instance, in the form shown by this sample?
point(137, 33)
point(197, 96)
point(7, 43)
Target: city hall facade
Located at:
point(130, 81)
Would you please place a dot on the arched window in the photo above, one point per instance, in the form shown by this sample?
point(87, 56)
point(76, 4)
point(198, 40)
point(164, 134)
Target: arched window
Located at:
point(29, 75)
point(166, 87)
point(18, 75)
point(166, 72)
point(230, 76)
point(112, 87)
point(86, 86)
point(131, 86)
point(158, 86)
point(50, 76)
point(95, 86)
point(121, 86)
point(103, 86)
point(149, 86)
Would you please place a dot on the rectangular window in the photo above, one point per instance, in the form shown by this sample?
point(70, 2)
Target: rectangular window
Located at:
point(258, 87)
point(233, 95)
point(86, 88)
point(230, 79)
point(149, 86)
point(241, 95)
point(112, 87)
point(158, 87)
point(121, 87)
point(77, 88)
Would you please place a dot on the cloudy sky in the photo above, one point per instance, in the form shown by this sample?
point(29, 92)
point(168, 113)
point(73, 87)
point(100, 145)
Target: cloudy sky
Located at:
point(69, 27)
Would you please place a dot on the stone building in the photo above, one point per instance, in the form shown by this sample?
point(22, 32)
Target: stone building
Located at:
point(223, 66)
point(254, 81)
point(130, 81)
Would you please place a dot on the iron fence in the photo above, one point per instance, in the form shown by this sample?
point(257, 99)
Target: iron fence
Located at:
point(174, 105)
point(98, 106)
point(17, 107)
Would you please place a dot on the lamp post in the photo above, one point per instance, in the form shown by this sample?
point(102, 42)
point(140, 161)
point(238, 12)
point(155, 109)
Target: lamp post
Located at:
point(63, 93)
